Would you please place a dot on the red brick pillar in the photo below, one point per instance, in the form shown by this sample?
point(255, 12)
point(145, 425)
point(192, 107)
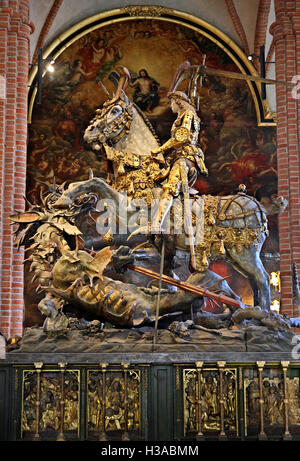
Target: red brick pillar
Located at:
point(286, 32)
point(14, 49)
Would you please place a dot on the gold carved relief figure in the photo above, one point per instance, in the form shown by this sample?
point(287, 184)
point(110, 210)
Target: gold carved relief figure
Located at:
point(49, 402)
point(273, 402)
point(114, 401)
point(209, 400)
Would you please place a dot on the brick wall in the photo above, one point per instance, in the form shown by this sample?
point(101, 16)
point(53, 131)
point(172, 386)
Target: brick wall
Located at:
point(261, 26)
point(286, 33)
point(14, 52)
point(237, 25)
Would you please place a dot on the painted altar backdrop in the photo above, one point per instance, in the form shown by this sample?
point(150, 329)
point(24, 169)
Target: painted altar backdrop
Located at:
point(236, 149)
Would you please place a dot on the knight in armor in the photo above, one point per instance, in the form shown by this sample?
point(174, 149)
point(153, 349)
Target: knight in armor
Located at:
point(185, 160)
point(182, 153)
point(182, 156)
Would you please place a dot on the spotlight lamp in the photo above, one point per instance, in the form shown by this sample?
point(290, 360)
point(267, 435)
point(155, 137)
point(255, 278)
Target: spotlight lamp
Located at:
point(50, 67)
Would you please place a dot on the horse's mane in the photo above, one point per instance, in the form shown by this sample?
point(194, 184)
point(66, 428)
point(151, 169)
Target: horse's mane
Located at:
point(147, 122)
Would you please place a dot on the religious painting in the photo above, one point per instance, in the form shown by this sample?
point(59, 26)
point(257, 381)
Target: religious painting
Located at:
point(236, 150)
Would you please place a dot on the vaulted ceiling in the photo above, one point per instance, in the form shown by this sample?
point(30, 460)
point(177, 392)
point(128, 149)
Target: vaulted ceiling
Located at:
point(246, 23)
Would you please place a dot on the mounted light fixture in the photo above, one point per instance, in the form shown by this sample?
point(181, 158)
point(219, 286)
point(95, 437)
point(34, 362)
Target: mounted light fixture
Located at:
point(275, 280)
point(263, 63)
point(276, 283)
point(50, 67)
point(275, 306)
point(42, 65)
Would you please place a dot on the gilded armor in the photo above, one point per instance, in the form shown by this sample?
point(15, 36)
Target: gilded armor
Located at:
point(182, 144)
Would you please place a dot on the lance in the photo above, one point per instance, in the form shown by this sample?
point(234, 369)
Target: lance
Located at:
point(188, 220)
point(160, 278)
point(225, 73)
point(219, 298)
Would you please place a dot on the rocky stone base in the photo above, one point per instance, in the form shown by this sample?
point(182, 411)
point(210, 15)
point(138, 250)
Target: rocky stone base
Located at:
point(92, 337)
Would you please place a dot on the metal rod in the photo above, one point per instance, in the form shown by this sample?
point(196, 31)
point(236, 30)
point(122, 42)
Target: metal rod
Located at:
point(188, 221)
point(222, 435)
point(103, 435)
point(262, 435)
point(199, 436)
point(40, 76)
point(287, 435)
point(162, 260)
point(61, 436)
point(125, 436)
point(38, 366)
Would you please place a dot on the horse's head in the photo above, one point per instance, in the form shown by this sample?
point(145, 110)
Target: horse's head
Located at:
point(112, 122)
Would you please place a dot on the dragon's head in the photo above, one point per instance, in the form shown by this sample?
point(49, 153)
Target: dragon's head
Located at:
point(61, 217)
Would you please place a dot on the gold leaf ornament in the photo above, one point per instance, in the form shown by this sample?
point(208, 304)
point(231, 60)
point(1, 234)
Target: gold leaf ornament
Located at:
point(182, 134)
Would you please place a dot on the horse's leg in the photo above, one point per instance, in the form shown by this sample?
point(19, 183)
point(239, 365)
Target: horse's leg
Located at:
point(246, 276)
point(209, 279)
point(248, 259)
point(184, 300)
point(255, 291)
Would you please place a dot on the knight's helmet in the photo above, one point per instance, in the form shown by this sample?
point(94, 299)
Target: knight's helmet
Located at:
point(121, 79)
point(192, 73)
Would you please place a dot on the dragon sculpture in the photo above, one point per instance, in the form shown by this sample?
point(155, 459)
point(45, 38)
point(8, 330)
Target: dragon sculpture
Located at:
point(69, 274)
point(235, 227)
